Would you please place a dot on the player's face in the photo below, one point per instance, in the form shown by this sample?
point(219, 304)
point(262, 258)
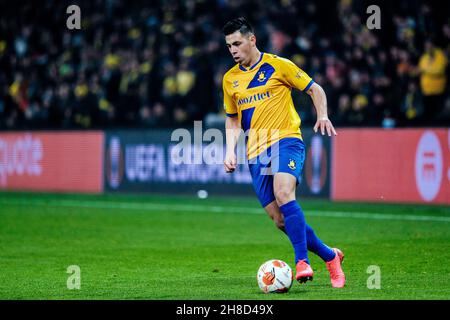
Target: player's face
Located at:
point(240, 46)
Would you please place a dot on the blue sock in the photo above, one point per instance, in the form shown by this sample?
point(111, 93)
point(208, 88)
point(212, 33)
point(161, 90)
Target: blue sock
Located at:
point(317, 246)
point(295, 226)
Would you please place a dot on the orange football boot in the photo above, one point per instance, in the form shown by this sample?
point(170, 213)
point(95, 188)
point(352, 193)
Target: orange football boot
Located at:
point(304, 271)
point(334, 266)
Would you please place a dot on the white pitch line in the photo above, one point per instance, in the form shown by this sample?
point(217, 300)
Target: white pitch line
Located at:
point(219, 209)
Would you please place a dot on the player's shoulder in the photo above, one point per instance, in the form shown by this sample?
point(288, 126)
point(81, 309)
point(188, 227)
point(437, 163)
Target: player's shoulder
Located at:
point(277, 60)
point(231, 72)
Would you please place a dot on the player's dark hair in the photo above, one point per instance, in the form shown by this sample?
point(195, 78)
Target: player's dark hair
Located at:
point(238, 24)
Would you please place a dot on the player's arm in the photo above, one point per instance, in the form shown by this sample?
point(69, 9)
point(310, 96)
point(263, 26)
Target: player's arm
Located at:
point(319, 99)
point(232, 131)
point(297, 78)
point(232, 128)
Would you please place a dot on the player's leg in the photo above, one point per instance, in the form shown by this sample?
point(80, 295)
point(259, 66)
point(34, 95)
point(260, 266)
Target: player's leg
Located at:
point(263, 184)
point(287, 164)
point(294, 219)
point(332, 257)
point(313, 243)
point(290, 161)
point(317, 246)
point(274, 213)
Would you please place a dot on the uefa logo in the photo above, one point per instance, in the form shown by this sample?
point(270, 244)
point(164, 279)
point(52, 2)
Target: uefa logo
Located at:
point(114, 164)
point(428, 166)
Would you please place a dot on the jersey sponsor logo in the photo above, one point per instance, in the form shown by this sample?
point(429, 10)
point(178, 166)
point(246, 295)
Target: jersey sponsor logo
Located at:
point(235, 84)
point(254, 98)
point(262, 76)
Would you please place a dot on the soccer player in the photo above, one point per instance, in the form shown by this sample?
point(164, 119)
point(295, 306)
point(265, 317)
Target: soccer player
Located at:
point(257, 99)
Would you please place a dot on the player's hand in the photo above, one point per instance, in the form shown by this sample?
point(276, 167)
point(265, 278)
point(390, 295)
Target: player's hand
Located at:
point(325, 124)
point(230, 162)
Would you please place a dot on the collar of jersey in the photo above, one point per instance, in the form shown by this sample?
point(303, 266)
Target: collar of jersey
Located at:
point(253, 66)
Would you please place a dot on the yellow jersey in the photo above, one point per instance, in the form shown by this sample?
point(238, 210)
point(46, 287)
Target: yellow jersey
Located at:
point(433, 80)
point(260, 97)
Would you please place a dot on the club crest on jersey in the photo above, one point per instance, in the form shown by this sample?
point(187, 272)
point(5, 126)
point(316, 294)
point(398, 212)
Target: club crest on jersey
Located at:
point(261, 76)
point(292, 164)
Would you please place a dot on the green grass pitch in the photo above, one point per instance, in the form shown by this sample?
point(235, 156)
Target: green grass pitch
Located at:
point(179, 247)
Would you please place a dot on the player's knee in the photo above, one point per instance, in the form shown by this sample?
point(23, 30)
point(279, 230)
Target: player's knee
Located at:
point(284, 195)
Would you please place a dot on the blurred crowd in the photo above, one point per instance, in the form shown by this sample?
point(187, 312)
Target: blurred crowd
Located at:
point(160, 63)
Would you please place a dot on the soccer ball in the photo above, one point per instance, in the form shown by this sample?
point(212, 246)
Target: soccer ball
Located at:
point(275, 276)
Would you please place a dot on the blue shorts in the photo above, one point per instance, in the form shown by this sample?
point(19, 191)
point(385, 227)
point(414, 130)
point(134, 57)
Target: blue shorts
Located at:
point(287, 155)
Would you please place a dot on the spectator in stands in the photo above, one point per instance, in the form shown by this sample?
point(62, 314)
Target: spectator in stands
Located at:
point(432, 67)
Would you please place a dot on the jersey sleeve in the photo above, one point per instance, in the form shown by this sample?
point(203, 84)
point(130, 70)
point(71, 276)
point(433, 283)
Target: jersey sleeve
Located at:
point(228, 103)
point(294, 76)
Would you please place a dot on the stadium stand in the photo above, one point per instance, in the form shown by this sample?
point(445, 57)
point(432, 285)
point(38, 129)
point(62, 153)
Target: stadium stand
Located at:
point(160, 63)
